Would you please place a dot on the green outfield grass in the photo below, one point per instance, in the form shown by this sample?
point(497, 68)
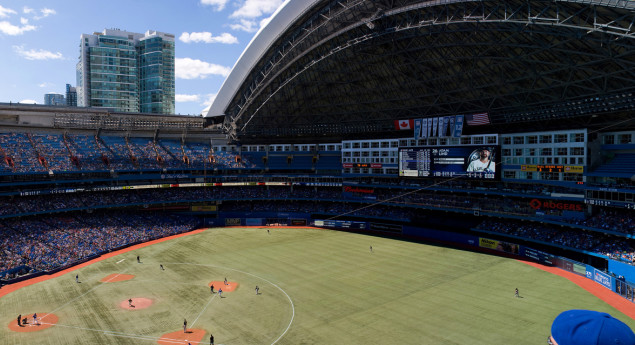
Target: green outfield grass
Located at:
point(317, 287)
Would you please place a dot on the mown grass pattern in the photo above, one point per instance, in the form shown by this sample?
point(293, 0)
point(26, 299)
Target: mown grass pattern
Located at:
point(338, 293)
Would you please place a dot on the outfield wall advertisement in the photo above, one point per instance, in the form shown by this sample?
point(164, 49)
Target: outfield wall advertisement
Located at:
point(538, 256)
point(339, 224)
point(501, 246)
point(232, 221)
point(392, 228)
point(599, 277)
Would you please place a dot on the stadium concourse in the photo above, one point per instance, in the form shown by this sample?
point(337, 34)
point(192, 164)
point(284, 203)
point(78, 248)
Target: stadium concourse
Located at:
point(499, 126)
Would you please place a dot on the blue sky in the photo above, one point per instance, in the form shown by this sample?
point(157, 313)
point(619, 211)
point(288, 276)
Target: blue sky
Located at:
point(39, 41)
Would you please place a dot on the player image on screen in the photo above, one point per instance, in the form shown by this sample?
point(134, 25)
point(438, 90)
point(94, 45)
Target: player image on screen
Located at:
point(472, 162)
point(482, 160)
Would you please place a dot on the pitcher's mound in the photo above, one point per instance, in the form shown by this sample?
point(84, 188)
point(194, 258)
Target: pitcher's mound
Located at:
point(193, 336)
point(231, 286)
point(46, 321)
point(137, 303)
point(117, 277)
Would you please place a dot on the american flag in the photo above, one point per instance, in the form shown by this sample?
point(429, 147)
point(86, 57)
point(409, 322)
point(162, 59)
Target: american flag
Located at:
point(477, 119)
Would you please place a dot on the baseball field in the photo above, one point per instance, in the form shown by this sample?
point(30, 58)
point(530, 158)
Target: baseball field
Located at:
point(315, 287)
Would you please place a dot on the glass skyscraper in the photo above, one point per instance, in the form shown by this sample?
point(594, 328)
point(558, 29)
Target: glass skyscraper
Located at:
point(129, 72)
point(54, 99)
point(71, 96)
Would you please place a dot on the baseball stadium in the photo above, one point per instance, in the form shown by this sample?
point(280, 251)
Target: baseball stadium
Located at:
point(387, 171)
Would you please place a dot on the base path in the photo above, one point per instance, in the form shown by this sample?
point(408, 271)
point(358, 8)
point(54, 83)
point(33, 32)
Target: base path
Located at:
point(116, 277)
point(618, 302)
point(193, 336)
point(231, 286)
point(137, 303)
point(47, 321)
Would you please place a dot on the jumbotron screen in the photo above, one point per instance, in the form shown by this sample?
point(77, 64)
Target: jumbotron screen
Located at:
point(471, 162)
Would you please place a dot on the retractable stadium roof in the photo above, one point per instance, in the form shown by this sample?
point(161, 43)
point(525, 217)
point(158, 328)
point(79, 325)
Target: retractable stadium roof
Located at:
point(349, 68)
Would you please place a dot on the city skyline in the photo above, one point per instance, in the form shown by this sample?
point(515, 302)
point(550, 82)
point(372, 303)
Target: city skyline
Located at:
point(41, 38)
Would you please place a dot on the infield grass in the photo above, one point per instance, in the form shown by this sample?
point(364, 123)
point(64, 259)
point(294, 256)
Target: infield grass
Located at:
point(316, 287)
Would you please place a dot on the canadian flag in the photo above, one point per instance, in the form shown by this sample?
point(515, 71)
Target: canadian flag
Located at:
point(404, 124)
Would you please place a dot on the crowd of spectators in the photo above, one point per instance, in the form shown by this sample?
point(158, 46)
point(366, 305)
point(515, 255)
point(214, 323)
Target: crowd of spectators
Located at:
point(120, 154)
point(89, 156)
point(323, 208)
point(229, 160)
point(145, 153)
point(174, 154)
point(605, 220)
point(471, 185)
point(610, 220)
point(46, 243)
point(22, 237)
point(117, 153)
point(611, 246)
point(19, 148)
point(53, 150)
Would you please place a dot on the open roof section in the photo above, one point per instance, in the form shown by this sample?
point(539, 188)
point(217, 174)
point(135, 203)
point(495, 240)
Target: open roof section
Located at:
point(334, 69)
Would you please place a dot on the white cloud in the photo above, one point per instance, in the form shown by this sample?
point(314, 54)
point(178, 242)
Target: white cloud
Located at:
point(244, 25)
point(186, 98)
point(209, 100)
point(5, 12)
point(220, 4)
point(45, 84)
point(256, 8)
point(37, 54)
point(207, 37)
point(186, 68)
point(27, 10)
point(27, 101)
point(45, 13)
point(208, 103)
point(12, 30)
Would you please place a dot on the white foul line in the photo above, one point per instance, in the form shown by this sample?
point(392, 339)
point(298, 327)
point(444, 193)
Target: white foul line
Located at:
point(169, 340)
point(82, 295)
point(121, 261)
point(201, 313)
point(253, 275)
point(124, 335)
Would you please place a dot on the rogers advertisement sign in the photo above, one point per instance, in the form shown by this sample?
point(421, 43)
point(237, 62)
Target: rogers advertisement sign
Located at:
point(555, 205)
point(350, 189)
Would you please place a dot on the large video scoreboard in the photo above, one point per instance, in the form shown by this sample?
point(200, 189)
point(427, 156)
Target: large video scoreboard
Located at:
point(472, 162)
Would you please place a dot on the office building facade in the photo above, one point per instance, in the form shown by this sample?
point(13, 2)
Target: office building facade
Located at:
point(71, 96)
point(54, 99)
point(129, 72)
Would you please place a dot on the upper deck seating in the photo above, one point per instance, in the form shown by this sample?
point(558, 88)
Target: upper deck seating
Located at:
point(52, 147)
point(118, 153)
point(622, 165)
point(19, 148)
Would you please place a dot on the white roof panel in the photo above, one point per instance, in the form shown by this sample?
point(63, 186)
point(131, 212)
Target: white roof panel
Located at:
point(282, 19)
